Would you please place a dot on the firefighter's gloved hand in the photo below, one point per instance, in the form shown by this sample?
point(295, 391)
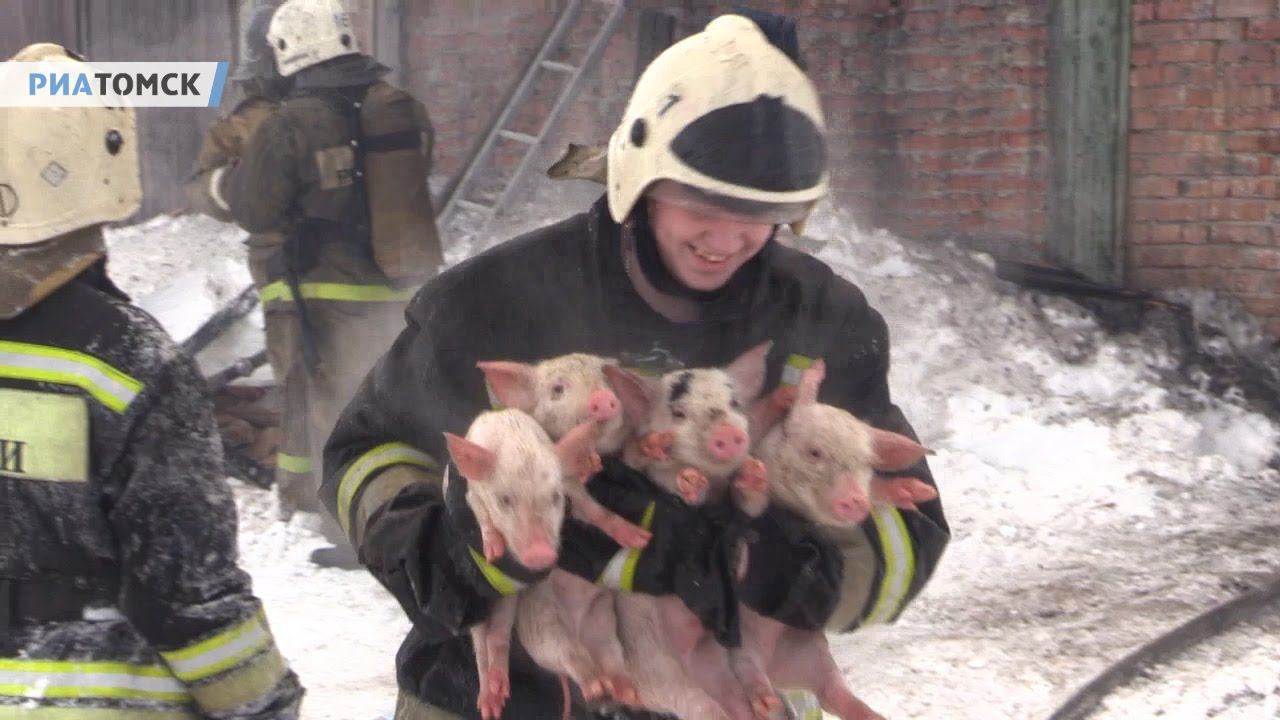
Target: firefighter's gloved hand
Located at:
point(510, 574)
point(693, 552)
point(793, 573)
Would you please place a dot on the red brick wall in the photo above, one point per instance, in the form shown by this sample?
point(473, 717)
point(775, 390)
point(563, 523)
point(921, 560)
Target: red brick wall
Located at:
point(1205, 133)
point(936, 107)
point(937, 111)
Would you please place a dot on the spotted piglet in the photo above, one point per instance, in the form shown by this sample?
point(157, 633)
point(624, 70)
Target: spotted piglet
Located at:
point(692, 429)
point(692, 442)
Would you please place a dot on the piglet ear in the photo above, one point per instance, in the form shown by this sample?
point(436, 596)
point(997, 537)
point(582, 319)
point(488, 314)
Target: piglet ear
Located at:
point(635, 393)
point(513, 383)
point(748, 371)
point(810, 380)
point(577, 451)
point(894, 451)
point(473, 461)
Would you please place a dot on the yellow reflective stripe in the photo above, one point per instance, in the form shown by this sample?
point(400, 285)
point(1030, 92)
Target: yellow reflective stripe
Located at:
point(25, 711)
point(796, 364)
point(293, 463)
point(502, 582)
point(224, 650)
point(42, 363)
point(803, 705)
point(620, 573)
point(899, 564)
point(62, 679)
point(279, 291)
point(359, 472)
point(244, 685)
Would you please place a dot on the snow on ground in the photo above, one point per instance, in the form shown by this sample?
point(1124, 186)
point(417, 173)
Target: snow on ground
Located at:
point(1093, 501)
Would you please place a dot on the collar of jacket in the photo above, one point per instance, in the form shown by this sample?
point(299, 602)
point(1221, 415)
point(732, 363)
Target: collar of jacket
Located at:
point(344, 71)
point(736, 299)
point(30, 273)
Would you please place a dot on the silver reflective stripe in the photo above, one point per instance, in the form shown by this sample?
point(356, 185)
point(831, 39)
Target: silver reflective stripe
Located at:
point(215, 191)
point(612, 575)
point(66, 367)
point(392, 453)
point(899, 564)
point(220, 651)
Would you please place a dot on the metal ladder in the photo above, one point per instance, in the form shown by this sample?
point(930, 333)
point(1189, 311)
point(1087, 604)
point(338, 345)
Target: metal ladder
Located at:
point(485, 213)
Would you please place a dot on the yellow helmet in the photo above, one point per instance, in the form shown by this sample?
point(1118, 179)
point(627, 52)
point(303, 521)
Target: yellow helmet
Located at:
point(728, 115)
point(303, 33)
point(64, 168)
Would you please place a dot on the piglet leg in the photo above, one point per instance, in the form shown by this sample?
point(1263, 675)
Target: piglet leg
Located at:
point(692, 485)
point(584, 507)
point(749, 670)
point(770, 410)
point(495, 546)
point(492, 640)
point(547, 633)
point(802, 659)
point(641, 452)
point(901, 492)
point(751, 488)
point(599, 635)
point(662, 681)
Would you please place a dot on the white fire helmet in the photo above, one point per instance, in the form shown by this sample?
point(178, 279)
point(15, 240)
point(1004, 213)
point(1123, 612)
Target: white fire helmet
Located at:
point(303, 33)
point(732, 119)
point(64, 168)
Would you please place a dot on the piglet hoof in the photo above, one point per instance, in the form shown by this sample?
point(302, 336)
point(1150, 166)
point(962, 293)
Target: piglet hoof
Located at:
point(751, 489)
point(765, 704)
point(901, 492)
point(594, 689)
point(495, 546)
point(693, 485)
point(494, 694)
point(622, 690)
point(782, 399)
point(752, 476)
point(626, 534)
point(590, 467)
point(657, 445)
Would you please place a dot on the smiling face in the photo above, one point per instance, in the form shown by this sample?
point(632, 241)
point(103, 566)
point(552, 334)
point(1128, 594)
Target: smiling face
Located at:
point(702, 245)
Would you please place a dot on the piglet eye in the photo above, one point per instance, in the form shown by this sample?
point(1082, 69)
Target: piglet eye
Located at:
point(735, 404)
point(506, 501)
point(678, 414)
point(557, 391)
point(815, 453)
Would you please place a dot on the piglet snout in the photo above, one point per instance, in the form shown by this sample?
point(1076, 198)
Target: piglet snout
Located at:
point(537, 554)
point(727, 442)
point(851, 506)
point(603, 405)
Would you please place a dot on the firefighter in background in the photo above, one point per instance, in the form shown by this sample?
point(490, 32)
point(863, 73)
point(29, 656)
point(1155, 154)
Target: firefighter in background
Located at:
point(119, 592)
point(260, 87)
point(340, 173)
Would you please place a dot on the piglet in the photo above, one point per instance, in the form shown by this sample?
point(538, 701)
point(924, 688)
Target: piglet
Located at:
point(693, 432)
point(822, 465)
point(562, 393)
point(515, 486)
point(568, 625)
point(693, 443)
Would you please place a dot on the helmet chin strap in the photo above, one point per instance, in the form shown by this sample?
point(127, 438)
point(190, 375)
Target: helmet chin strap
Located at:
point(660, 276)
